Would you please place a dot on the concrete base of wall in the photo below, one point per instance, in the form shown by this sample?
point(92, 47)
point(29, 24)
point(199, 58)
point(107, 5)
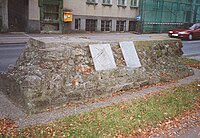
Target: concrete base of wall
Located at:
point(33, 26)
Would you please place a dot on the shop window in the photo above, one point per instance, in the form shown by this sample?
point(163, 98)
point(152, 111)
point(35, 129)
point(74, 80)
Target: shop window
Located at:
point(106, 25)
point(91, 25)
point(50, 17)
point(77, 24)
point(51, 12)
point(120, 26)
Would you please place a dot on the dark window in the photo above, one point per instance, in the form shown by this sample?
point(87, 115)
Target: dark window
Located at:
point(106, 25)
point(17, 15)
point(107, 1)
point(134, 3)
point(92, 2)
point(77, 24)
point(91, 25)
point(122, 2)
point(132, 25)
point(121, 25)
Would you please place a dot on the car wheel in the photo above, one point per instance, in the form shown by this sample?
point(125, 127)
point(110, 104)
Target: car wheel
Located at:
point(190, 37)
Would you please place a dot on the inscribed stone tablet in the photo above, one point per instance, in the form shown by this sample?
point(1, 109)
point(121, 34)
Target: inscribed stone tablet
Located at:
point(130, 54)
point(102, 56)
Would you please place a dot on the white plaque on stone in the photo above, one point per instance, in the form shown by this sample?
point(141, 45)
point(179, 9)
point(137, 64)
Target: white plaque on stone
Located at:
point(102, 56)
point(130, 54)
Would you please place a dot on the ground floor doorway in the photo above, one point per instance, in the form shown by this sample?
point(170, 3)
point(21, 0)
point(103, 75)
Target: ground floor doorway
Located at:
point(132, 25)
point(17, 15)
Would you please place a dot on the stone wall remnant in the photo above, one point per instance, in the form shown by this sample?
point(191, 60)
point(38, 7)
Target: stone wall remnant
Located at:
point(51, 73)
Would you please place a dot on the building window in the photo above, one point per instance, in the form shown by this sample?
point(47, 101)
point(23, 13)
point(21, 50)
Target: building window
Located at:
point(51, 12)
point(106, 25)
point(77, 24)
point(91, 25)
point(121, 26)
point(50, 16)
point(121, 2)
point(109, 2)
point(134, 3)
point(92, 1)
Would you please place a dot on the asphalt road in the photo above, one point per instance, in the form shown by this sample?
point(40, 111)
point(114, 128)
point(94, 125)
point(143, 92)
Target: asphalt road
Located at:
point(10, 52)
point(191, 49)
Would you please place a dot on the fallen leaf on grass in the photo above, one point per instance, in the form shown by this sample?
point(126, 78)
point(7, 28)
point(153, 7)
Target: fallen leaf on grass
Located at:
point(8, 128)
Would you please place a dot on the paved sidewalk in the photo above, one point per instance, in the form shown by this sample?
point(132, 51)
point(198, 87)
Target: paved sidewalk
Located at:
point(191, 133)
point(8, 109)
point(23, 37)
point(195, 57)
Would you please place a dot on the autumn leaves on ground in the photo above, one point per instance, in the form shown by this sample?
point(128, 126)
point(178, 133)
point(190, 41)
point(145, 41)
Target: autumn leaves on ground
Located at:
point(132, 118)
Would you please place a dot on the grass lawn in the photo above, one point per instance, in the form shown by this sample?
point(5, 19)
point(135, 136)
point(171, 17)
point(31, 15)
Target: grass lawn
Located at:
point(123, 118)
point(190, 62)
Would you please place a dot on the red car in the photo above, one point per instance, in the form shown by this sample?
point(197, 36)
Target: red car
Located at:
point(191, 33)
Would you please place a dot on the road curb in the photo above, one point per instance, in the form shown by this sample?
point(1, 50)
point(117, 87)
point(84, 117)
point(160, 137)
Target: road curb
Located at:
point(191, 55)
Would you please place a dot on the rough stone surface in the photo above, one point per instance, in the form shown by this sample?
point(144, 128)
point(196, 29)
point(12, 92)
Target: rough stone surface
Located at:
point(52, 73)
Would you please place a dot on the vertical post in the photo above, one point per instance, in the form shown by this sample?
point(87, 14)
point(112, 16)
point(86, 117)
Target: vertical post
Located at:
point(127, 25)
point(83, 24)
point(98, 25)
point(114, 23)
point(61, 22)
point(4, 16)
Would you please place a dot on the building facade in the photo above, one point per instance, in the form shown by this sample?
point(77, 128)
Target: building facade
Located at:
point(156, 16)
point(3, 15)
point(19, 16)
point(103, 15)
point(161, 15)
point(87, 15)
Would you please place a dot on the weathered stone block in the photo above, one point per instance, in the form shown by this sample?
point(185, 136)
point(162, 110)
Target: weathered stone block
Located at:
point(52, 73)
